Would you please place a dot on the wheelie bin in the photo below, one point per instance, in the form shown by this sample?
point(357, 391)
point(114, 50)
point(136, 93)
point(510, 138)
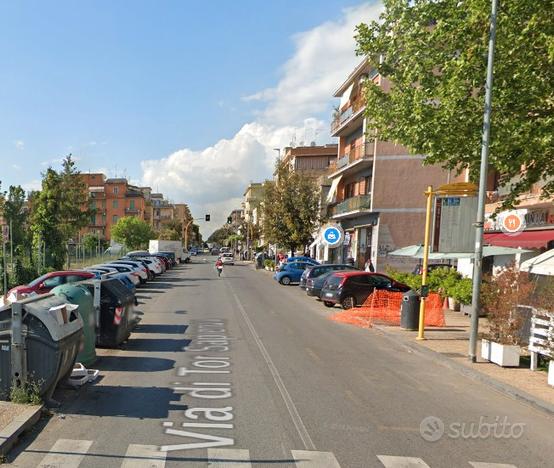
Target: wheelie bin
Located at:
point(80, 295)
point(409, 310)
point(117, 312)
point(45, 350)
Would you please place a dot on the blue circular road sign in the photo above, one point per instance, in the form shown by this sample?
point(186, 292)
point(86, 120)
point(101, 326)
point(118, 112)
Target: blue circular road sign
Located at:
point(332, 235)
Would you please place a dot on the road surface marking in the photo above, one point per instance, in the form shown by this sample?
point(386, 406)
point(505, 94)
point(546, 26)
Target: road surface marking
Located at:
point(66, 453)
point(490, 465)
point(402, 462)
point(143, 456)
point(309, 459)
point(229, 458)
point(312, 353)
point(293, 412)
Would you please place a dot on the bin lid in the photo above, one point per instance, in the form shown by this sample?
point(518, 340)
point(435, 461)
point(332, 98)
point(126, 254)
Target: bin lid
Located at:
point(59, 321)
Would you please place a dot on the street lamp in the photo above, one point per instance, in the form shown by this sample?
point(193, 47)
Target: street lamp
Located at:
point(480, 222)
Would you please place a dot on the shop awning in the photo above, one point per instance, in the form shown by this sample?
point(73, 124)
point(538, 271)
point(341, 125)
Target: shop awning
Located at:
point(333, 190)
point(525, 239)
point(416, 251)
point(543, 264)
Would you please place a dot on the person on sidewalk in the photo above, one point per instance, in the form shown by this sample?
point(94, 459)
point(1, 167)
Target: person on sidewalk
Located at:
point(369, 266)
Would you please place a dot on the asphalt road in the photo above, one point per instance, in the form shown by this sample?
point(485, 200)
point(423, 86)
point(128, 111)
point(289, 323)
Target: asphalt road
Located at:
point(240, 371)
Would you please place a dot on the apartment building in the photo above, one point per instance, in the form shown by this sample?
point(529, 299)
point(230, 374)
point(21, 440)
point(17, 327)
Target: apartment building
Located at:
point(162, 210)
point(376, 191)
point(313, 161)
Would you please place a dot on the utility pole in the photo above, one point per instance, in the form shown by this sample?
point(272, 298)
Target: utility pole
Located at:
point(479, 224)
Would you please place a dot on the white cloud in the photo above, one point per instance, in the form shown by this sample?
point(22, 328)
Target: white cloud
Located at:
point(35, 184)
point(19, 144)
point(16, 167)
point(213, 180)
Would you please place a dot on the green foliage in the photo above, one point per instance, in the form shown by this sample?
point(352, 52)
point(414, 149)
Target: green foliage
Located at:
point(173, 230)
point(219, 236)
point(290, 208)
point(445, 281)
point(462, 291)
point(269, 263)
point(26, 394)
point(92, 242)
point(132, 232)
point(23, 273)
point(434, 53)
point(15, 215)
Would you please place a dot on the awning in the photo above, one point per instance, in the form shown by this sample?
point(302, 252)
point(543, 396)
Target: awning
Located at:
point(543, 264)
point(333, 189)
point(346, 96)
point(525, 239)
point(416, 251)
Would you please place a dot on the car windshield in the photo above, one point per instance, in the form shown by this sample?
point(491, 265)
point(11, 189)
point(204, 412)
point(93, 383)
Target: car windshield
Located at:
point(39, 280)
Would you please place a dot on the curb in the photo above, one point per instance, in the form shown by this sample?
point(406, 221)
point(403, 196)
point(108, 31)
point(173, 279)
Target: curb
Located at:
point(22, 423)
point(507, 389)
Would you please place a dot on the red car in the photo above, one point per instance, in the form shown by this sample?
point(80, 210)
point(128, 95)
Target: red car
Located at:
point(350, 289)
point(49, 281)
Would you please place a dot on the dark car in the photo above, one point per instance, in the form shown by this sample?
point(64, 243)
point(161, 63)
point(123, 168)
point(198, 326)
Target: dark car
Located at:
point(352, 288)
point(314, 285)
point(319, 270)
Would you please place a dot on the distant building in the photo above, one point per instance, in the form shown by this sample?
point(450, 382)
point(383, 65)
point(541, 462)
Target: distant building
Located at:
point(310, 160)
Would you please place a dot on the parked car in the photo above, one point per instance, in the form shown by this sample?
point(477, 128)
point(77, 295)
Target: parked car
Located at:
point(308, 260)
point(290, 272)
point(228, 259)
point(152, 266)
point(114, 270)
point(315, 280)
point(318, 270)
point(45, 283)
point(351, 288)
point(137, 266)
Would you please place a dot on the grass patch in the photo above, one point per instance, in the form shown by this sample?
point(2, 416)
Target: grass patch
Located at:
point(26, 394)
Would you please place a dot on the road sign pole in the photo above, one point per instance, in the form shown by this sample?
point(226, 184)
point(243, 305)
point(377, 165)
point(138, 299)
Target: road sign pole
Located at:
point(421, 329)
point(479, 225)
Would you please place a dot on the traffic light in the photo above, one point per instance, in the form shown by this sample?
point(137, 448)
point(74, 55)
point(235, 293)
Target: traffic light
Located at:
point(229, 220)
point(207, 217)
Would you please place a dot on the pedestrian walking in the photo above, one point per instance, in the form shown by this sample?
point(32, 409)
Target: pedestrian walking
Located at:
point(369, 266)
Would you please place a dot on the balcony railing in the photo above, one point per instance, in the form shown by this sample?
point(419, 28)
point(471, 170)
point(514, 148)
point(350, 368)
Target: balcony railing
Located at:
point(363, 151)
point(343, 117)
point(132, 210)
point(357, 203)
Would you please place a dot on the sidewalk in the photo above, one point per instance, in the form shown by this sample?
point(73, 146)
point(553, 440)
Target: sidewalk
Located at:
point(450, 346)
point(14, 420)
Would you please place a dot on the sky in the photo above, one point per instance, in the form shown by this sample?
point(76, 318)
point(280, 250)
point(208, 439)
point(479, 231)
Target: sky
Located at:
point(190, 98)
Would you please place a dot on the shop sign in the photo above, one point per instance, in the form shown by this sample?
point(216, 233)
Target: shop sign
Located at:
point(332, 235)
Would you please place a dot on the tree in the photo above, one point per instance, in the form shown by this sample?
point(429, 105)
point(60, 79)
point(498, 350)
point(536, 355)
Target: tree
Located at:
point(15, 215)
point(92, 241)
point(74, 214)
point(132, 232)
point(290, 208)
point(434, 53)
point(173, 230)
point(45, 221)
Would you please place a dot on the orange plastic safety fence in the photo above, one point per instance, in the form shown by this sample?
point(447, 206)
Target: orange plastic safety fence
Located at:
point(384, 307)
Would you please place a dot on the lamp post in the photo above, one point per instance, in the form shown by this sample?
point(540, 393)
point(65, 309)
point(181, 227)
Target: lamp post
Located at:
point(479, 224)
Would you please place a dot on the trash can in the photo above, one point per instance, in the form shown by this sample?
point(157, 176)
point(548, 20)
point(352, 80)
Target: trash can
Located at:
point(81, 296)
point(409, 311)
point(51, 336)
point(117, 312)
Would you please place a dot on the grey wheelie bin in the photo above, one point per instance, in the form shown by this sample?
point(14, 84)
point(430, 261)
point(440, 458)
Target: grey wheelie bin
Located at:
point(409, 310)
point(41, 347)
point(116, 317)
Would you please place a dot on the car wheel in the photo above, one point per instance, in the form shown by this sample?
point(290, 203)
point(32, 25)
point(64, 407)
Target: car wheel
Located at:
point(187, 260)
point(285, 280)
point(348, 302)
point(329, 304)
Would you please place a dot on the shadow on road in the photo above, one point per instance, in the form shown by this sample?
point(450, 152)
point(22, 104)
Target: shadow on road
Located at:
point(160, 345)
point(133, 364)
point(161, 328)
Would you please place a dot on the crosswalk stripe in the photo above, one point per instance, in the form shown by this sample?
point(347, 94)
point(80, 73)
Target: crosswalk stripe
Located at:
point(229, 458)
point(490, 465)
point(143, 456)
point(402, 462)
point(66, 453)
point(311, 459)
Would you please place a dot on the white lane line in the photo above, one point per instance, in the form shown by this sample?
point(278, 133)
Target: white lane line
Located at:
point(143, 456)
point(309, 459)
point(490, 465)
point(229, 458)
point(402, 462)
point(294, 414)
point(66, 453)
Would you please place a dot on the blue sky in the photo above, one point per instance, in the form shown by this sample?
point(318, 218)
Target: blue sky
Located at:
point(121, 83)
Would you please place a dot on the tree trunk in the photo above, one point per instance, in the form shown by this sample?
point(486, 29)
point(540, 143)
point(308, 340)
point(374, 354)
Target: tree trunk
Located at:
point(292, 250)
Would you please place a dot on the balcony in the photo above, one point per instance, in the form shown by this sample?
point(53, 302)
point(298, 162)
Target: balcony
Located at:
point(351, 206)
point(343, 118)
point(132, 211)
point(357, 157)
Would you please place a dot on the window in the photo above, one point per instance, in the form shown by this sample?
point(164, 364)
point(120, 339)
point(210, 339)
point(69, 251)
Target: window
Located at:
point(93, 220)
point(74, 278)
point(368, 185)
point(114, 219)
point(380, 282)
point(116, 190)
point(132, 205)
point(115, 203)
point(53, 281)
